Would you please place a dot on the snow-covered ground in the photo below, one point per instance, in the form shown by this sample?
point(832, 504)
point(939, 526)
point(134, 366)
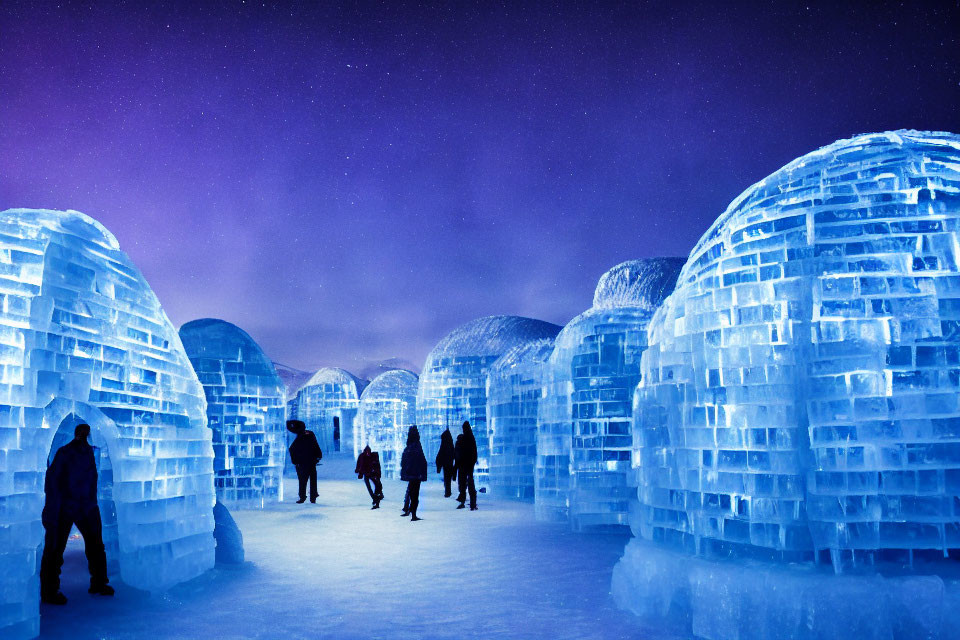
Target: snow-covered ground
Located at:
point(337, 569)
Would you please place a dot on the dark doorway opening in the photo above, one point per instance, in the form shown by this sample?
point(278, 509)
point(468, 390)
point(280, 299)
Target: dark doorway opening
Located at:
point(336, 433)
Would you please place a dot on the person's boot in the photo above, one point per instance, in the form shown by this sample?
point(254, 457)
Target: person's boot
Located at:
point(461, 506)
point(101, 590)
point(473, 507)
point(414, 518)
point(302, 500)
point(53, 598)
point(404, 514)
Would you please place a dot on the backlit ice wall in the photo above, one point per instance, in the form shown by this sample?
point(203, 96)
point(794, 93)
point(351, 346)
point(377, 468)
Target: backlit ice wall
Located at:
point(596, 364)
point(800, 392)
point(388, 407)
point(514, 388)
point(83, 337)
point(327, 403)
point(246, 408)
point(453, 384)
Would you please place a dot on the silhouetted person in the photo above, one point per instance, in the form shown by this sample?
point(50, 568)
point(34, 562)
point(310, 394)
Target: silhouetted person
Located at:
point(447, 461)
point(368, 468)
point(71, 488)
point(413, 469)
point(305, 453)
point(466, 453)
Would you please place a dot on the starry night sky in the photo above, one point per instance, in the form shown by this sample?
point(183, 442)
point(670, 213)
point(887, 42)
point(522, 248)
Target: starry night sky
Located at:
point(350, 182)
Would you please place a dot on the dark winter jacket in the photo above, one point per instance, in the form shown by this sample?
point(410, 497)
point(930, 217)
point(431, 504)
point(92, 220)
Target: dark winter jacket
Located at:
point(446, 456)
point(466, 449)
point(413, 464)
point(368, 464)
point(305, 449)
point(71, 482)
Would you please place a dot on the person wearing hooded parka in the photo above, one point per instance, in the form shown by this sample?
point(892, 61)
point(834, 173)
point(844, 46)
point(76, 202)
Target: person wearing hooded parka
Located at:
point(466, 454)
point(413, 470)
point(447, 462)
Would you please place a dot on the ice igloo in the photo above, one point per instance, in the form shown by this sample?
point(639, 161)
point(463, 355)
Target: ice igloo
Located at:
point(800, 391)
point(584, 439)
point(453, 384)
point(388, 406)
point(514, 388)
point(83, 338)
point(327, 403)
point(246, 410)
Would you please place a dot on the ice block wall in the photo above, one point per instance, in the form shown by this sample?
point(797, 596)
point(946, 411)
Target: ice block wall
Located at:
point(82, 335)
point(388, 407)
point(453, 384)
point(514, 389)
point(328, 404)
point(800, 391)
point(246, 410)
point(596, 361)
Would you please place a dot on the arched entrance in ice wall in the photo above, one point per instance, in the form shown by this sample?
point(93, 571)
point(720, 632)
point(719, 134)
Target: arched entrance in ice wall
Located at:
point(82, 333)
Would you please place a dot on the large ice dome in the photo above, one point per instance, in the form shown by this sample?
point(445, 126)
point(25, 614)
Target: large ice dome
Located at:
point(84, 339)
point(388, 407)
point(799, 392)
point(328, 403)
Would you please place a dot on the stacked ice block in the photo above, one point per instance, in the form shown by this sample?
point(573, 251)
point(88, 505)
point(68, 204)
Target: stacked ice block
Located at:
point(453, 384)
point(82, 336)
point(388, 407)
point(514, 389)
point(328, 404)
point(246, 409)
point(800, 391)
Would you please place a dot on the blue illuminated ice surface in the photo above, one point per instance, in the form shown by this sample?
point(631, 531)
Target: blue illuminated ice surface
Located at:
point(799, 398)
point(246, 410)
point(83, 338)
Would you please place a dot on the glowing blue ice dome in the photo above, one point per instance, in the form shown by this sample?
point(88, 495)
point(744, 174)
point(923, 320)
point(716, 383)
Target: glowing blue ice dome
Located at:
point(799, 393)
point(584, 442)
point(453, 383)
point(246, 410)
point(327, 403)
point(388, 407)
point(83, 338)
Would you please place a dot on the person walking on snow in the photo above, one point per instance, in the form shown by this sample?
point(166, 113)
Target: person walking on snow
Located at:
point(447, 461)
point(71, 499)
point(466, 454)
point(305, 454)
point(368, 469)
point(413, 470)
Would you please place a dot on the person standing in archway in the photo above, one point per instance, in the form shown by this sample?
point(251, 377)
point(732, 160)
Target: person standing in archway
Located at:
point(71, 499)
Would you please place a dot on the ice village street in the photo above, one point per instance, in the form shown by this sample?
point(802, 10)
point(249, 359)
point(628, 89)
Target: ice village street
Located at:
point(338, 569)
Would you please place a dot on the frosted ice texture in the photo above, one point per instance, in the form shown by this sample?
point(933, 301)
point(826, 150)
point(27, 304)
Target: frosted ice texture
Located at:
point(328, 404)
point(246, 410)
point(82, 334)
point(584, 441)
point(388, 407)
point(800, 391)
point(453, 384)
point(514, 389)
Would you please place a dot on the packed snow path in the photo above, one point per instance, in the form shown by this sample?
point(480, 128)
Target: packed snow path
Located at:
point(337, 569)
